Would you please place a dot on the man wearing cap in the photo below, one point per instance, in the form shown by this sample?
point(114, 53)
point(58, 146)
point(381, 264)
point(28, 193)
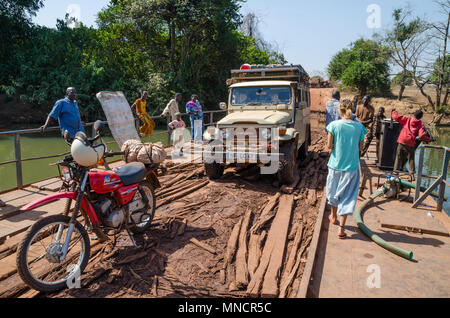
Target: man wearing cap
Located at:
point(68, 115)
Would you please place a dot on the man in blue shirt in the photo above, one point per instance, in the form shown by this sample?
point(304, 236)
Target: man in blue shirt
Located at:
point(68, 115)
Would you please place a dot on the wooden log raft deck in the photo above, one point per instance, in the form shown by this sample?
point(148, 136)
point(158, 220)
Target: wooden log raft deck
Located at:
point(274, 223)
point(331, 267)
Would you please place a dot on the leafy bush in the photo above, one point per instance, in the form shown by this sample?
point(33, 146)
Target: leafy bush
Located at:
point(364, 66)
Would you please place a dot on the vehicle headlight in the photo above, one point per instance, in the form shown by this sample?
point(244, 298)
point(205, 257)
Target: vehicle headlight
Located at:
point(266, 133)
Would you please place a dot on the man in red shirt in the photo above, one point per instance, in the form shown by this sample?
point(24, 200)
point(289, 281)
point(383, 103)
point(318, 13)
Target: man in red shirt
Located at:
point(413, 131)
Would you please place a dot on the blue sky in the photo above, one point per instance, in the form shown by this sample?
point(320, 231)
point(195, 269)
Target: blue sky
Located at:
point(308, 32)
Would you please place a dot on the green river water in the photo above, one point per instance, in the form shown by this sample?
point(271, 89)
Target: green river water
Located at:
point(35, 145)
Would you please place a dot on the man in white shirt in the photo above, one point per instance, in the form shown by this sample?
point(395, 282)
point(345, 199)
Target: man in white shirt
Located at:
point(332, 108)
point(173, 107)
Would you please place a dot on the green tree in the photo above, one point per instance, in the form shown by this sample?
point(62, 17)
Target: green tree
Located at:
point(400, 79)
point(187, 46)
point(404, 42)
point(445, 78)
point(364, 66)
point(162, 46)
point(15, 21)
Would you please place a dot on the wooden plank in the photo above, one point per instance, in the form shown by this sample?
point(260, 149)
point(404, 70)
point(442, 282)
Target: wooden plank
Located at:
point(205, 246)
point(181, 194)
point(414, 230)
point(265, 214)
point(417, 219)
point(306, 278)
point(286, 283)
point(255, 284)
point(231, 250)
point(254, 252)
point(10, 245)
point(241, 255)
point(52, 185)
point(8, 211)
point(21, 222)
point(25, 195)
point(187, 185)
point(292, 255)
point(13, 286)
point(8, 266)
point(280, 225)
point(14, 200)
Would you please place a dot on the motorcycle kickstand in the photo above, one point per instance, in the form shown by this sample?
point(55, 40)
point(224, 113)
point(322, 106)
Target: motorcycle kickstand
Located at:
point(132, 239)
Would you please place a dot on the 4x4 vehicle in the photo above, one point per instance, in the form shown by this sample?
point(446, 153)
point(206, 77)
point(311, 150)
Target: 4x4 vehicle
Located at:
point(270, 107)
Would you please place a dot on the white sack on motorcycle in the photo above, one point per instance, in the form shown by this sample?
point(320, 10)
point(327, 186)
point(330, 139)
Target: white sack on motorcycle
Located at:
point(136, 151)
point(120, 118)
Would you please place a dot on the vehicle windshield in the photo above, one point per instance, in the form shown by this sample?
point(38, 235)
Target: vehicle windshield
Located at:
point(254, 96)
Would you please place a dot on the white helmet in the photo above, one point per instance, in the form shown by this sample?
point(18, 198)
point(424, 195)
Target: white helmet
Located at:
point(85, 154)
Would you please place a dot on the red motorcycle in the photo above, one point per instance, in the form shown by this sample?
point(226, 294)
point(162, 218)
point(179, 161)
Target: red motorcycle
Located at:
point(56, 249)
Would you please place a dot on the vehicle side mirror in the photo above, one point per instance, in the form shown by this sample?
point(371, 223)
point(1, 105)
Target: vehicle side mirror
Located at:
point(223, 106)
point(99, 127)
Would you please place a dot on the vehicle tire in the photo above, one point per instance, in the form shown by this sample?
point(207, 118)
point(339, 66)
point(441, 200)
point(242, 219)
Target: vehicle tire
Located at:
point(39, 228)
point(286, 172)
point(148, 188)
point(214, 170)
point(309, 136)
point(303, 152)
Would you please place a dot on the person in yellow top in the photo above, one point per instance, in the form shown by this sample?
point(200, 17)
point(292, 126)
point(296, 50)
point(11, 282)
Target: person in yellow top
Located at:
point(147, 124)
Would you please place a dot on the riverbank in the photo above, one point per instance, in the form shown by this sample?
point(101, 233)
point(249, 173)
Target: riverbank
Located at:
point(412, 100)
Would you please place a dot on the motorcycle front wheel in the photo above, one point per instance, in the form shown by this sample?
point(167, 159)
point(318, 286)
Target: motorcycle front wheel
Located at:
point(39, 261)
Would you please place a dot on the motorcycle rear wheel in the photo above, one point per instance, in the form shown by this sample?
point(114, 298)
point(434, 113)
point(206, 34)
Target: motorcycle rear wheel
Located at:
point(150, 192)
point(42, 236)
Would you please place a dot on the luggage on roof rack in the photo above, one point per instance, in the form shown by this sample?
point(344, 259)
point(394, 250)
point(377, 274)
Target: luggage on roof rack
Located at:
point(293, 73)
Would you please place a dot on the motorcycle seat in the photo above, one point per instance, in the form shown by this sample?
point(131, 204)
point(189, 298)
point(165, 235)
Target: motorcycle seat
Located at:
point(132, 173)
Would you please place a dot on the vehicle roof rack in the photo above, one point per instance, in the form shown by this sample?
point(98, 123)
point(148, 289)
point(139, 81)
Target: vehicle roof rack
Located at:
point(293, 73)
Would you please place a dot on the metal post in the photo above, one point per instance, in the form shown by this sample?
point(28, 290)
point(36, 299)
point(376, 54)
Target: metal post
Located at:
point(19, 177)
point(168, 132)
point(444, 177)
point(419, 173)
point(211, 118)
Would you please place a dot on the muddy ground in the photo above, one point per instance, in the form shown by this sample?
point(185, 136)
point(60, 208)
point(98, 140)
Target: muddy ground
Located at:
point(170, 265)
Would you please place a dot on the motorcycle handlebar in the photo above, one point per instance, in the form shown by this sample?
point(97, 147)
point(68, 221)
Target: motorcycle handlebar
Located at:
point(92, 140)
